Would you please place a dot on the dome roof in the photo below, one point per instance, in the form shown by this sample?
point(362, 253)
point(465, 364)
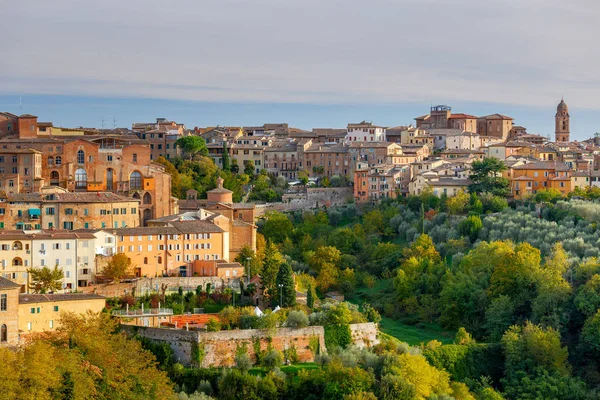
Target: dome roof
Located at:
point(562, 106)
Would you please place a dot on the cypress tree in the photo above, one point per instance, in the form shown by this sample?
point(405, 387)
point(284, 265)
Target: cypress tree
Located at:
point(225, 158)
point(310, 300)
point(285, 277)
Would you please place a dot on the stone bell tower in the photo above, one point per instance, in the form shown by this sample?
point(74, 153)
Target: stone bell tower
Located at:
point(562, 131)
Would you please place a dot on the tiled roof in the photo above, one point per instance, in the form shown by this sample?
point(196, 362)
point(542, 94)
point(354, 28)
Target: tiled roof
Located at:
point(43, 298)
point(462, 116)
point(145, 230)
point(196, 227)
point(71, 197)
point(553, 165)
point(44, 234)
point(6, 284)
point(496, 116)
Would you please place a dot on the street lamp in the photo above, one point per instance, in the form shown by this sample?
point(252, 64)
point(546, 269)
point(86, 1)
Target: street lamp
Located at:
point(280, 294)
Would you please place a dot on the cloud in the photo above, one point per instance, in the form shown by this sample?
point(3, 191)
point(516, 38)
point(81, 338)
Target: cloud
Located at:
point(525, 52)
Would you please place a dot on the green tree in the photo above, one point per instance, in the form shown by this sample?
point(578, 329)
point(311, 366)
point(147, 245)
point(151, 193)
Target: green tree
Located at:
point(470, 227)
point(499, 316)
point(310, 300)
point(225, 161)
point(587, 299)
point(118, 268)
point(192, 145)
point(44, 280)
point(589, 341)
point(324, 262)
point(277, 227)
point(271, 264)
point(458, 203)
point(285, 277)
point(249, 168)
point(547, 195)
point(235, 168)
point(531, 347)
point(486, 176)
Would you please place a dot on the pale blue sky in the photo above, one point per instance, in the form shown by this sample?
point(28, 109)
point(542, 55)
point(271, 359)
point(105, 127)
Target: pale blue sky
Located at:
point(311, 63)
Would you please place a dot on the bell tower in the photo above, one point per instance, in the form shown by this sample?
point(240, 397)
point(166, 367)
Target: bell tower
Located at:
point(562, 130)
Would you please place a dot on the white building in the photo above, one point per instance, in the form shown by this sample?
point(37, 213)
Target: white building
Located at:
point(463, 141)
point(73, 252)
point(365, 132)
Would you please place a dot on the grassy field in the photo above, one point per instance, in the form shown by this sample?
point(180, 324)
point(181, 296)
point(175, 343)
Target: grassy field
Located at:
point(416, 334)
point(288, 369)
point(383, 292)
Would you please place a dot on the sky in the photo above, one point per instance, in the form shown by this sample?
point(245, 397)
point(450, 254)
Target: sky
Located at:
point(311, 63)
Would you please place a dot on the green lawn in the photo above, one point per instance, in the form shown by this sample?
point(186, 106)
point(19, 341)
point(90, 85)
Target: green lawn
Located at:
point(288, 369)
point(417, 334)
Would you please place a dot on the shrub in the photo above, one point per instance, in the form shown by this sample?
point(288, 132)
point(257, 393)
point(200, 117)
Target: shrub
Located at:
point(297, 319)
point(272, 358)
point(213, 325)
point(337, 335)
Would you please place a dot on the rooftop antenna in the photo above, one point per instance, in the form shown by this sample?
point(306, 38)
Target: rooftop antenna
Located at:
point(114, 122)
point(102, 122)
point(20, 105)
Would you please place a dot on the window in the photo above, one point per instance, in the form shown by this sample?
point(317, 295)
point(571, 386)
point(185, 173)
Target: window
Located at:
point(80, 178)
point(134, 211)
point(58, 160)
point(109, 157)
point(3, 333)
point(80, 157)
point(29, 326)
point(32, 310)
point(55, 246)
point(50, 161)
point(145, 260)
point(135, 181)
point(51, 324)
point(3, 302)
point(85, 212)
point(134, 157)
point(68, 211)
point(50, 211)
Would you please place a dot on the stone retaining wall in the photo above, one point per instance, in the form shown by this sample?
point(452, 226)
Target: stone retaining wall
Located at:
point(217, 349)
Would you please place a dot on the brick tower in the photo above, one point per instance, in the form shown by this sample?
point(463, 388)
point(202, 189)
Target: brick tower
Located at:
point(562, 131)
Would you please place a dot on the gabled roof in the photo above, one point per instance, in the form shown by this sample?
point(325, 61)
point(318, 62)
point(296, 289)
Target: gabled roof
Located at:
point(462, 116)
point(6, 284)
point(497, 116)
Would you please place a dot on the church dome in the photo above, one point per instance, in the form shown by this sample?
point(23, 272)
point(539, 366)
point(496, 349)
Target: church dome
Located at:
point(562, 106)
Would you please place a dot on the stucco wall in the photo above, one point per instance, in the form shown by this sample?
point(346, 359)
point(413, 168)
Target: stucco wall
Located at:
point(219, 348)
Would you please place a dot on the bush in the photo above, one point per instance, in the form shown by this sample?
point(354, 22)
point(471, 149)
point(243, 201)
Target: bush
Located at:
point(337, 335)
point(213, 325)
point(465, 362)
point(272, 358)
point(297, 319)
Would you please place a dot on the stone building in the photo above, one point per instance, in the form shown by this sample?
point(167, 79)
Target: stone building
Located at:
point(9, 313)
point(120, 163)
point(20, 170)
point(41, 312)
point(236, 219)
point(161, 137)
point(496, 125)
point(562, 132)
point(281, 158)
point(54, 207)
point(365, 132)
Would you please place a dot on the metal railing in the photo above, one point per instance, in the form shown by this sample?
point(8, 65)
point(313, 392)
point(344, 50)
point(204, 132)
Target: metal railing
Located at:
point(143, 312)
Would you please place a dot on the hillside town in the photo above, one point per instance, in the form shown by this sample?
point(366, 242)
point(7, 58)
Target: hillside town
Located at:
point(203, 242)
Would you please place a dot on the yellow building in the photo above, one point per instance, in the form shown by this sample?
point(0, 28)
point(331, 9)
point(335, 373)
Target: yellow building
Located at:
point(9, 316)
point(529, 178)
point(15, 256)
point(41, 312)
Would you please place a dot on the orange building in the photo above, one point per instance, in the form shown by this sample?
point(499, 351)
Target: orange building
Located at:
point(171, 250)
point(527, 179)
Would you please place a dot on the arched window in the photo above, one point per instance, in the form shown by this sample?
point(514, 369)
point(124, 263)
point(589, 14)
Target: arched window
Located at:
point(145, 260)
point(159, 260)
point(50, 161)
point(80, 157)
point(135, 181)
point(80, 179)
point(58, 160)
point(17, 245)
point(136, 195)
point(17, 262)
point(147, 198)
point(54, 178)
point(3, 333)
